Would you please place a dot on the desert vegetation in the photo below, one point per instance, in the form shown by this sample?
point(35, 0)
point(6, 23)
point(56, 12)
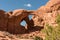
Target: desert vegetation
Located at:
point(52, 33)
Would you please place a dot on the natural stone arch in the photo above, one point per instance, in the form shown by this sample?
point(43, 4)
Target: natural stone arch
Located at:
point(16, 18)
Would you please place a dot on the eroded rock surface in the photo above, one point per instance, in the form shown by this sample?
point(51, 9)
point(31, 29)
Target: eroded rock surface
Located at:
point(3, 20)
point(47, 13)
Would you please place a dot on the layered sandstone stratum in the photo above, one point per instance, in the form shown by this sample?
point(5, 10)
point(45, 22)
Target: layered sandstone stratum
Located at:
point(10, 21)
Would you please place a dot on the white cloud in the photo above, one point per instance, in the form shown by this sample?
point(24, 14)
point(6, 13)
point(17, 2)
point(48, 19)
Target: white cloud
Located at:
point(28, 5)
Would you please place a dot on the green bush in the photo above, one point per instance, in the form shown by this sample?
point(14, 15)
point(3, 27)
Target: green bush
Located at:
point(37, 38)
point(53, 33)
point(58, 19)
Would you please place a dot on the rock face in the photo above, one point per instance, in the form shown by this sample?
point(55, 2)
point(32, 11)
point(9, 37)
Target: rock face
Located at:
point(3, 20)
point(47, 13)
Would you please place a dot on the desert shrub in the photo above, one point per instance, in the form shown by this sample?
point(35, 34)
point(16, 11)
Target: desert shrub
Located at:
point(58, 20)
point(37, 38)
point(52, 33)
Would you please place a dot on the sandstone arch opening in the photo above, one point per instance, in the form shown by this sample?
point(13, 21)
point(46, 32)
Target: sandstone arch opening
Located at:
point(23, 23)
point(26, 22)
point(30, 17)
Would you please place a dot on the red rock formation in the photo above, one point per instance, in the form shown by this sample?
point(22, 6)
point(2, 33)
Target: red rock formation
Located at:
point(48, 13)
point(15, 18)
point(3, 20)
point(10, 21)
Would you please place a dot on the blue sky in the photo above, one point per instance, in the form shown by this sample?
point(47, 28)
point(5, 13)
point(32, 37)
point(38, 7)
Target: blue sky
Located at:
point(9, 5)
